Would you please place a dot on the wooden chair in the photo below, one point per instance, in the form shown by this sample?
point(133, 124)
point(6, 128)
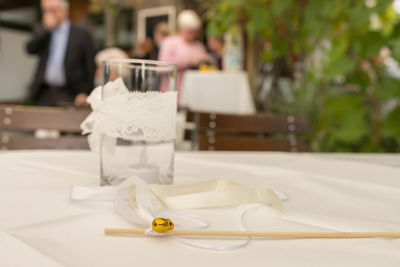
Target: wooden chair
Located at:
point(19, 123)
point(260, 132)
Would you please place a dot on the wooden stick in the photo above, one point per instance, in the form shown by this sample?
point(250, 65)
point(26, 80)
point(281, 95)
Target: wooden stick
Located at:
point(119, 231)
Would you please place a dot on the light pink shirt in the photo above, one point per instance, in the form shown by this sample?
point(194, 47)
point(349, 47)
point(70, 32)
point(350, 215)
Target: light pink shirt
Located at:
point(175, 50)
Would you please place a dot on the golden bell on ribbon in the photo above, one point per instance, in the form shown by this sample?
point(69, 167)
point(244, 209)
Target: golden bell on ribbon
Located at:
point(161, 225)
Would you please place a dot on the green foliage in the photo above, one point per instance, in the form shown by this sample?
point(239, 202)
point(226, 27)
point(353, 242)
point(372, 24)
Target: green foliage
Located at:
point(343, 86)
point(343, 122)
point(280, 7)
point(391, 128)
point(359, 78)
point(395, 45)
point(387, 88)
point(258, 22)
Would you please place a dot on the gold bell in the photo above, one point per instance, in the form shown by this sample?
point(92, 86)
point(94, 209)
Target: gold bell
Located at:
point(161, 225)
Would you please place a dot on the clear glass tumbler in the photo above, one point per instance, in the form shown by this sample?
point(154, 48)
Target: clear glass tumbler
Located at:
point(140, 102)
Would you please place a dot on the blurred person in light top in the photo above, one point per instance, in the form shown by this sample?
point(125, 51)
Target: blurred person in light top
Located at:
point(184, 49)
point(66, 67)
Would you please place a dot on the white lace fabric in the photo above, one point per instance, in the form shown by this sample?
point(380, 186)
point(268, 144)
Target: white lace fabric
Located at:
point(132, 116)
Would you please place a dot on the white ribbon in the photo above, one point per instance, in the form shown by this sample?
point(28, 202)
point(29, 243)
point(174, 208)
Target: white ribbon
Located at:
point(134, 199)
point(213, 194)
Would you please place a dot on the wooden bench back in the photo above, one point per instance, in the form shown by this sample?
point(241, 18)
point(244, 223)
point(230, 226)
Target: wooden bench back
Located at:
point(259, 132)
point(19, 123)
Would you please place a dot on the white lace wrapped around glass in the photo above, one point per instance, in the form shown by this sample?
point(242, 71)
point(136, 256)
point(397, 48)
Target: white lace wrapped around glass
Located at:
point(133, 131)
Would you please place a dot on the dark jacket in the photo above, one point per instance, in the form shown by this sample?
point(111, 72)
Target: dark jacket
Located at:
point(78, 63)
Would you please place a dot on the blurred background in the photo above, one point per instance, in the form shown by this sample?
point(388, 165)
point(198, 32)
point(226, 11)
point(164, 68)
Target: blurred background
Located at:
point(335, 62)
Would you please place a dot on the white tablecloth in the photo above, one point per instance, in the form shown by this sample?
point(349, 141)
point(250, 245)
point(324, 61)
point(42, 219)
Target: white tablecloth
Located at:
point(40, 226)
point(221, 92)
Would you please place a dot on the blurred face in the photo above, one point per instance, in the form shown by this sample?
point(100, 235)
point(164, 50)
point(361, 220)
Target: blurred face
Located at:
point(189, 35)
point(56, 9)
point(158, 37)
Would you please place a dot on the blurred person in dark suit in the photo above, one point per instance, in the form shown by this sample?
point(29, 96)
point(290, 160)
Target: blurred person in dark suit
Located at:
point(66, 67)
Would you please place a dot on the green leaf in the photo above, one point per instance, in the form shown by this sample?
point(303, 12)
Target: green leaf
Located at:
point(391, 125)
point(388, 88)
point(339, 48)
point(395, 46)
point(344, 119)
point(340, 66)
point(278, 7)
point(267, 56)
point(330, 9)
point(369, 44)
point(280, 48)
point(370, 147)
point(360, 78)
point(259, 20)
point(359, 15)
point(382, 5)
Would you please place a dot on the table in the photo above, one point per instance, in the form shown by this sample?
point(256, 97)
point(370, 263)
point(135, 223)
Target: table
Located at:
point(220, 92)
point(40, 226)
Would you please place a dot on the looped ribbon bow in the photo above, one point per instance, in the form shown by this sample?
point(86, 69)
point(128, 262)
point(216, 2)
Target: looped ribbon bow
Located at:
point(140, 203)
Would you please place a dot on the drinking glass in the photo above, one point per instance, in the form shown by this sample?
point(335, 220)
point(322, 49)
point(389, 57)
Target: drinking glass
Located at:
point(140, 102)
